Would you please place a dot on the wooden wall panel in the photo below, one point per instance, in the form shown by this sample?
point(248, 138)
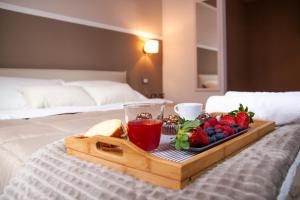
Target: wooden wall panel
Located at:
point(37, 42)
point(236, 46)
point(263, 45)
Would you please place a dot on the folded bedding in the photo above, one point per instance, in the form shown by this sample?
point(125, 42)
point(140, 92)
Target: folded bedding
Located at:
point(282, 109)
point(273, 94)
point(255, 173)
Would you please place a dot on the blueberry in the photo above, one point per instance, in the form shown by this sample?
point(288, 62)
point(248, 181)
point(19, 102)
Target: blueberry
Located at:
point(239, 129)
point(218, 130)
point(235, 125)
point(212, 139)
point(219, 136)
point(210, 132)
point(209, 128)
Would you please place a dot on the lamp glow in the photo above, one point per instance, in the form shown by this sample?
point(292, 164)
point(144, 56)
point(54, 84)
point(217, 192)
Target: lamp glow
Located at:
point(151, 46)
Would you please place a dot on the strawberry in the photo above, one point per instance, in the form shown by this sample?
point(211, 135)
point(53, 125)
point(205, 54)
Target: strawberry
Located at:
point(226, 127)
point(226, 133)
point(194, 138)
point(232, 131)
point(212, 121)
point(218, 126)
point(198, 137)
point(243, 117)
point(206, 125)
point(228, 119)
point(243, 120)
point(204, 139)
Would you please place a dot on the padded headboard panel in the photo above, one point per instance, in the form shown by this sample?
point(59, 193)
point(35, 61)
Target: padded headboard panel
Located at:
point(68, 75)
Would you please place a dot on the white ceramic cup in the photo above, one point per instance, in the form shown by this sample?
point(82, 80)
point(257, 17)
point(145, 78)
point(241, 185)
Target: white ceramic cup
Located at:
point(188, 111)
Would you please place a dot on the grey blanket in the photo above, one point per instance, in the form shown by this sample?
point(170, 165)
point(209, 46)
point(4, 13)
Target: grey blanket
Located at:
point(255, 173)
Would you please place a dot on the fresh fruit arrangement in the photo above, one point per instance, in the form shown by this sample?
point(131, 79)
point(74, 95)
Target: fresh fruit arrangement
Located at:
point(206, 129)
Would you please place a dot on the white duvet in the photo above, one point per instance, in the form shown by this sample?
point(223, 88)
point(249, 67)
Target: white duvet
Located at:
point(43, 112)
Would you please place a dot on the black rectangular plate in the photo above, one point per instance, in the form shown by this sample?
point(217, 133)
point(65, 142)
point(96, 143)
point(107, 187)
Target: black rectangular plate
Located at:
point(209, 146)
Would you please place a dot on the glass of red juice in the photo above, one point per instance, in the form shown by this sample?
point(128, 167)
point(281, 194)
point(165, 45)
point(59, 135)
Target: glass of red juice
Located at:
point(144, 123)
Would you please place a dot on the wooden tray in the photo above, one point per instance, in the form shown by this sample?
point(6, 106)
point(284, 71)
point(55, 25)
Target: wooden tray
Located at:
point(130, 159)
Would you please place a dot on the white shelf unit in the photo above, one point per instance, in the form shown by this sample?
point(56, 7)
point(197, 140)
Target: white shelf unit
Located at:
point(207, 47)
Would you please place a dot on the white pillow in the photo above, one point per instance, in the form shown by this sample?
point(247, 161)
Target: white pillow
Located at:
point(56, 96)
point(282, 109)
point(11, 99)
point(278, 94)
point(113, 94)
point(10, 96)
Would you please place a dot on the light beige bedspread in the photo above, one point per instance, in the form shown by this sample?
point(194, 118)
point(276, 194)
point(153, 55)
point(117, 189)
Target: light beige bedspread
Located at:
point(20, 138)
point(255, 173)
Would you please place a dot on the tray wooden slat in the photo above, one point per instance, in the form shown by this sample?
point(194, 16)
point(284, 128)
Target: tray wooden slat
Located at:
point(130, 159)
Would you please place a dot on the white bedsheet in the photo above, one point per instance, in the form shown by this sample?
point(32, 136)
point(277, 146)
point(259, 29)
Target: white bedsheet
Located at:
point(43, 112)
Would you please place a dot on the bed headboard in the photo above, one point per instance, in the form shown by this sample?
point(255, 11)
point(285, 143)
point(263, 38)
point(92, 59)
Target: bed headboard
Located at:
point(64, 74)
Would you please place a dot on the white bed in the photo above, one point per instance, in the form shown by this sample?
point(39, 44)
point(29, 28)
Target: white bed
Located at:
point(14, 105)
point(26, 130)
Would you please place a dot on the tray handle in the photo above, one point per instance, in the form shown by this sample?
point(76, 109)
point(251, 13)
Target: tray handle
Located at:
point(123, 151)
point(107, 147)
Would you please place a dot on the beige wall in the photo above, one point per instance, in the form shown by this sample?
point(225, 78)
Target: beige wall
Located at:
point(138, 15)
point(29, 41)
point(179, 52)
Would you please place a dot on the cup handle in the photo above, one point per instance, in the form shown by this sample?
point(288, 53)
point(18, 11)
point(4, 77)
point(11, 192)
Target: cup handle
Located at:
point(176, 109)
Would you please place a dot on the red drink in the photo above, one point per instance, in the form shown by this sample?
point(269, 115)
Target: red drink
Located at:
point(145, 133)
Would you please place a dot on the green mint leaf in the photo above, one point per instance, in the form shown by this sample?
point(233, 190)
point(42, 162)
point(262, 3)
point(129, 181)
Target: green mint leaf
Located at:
point(246, 109)
point(177, 127)
point(188, 125)
point(185, 137)
point(182, 138)
point(182, 120)
point(177, 144)
point(180, 133)
point(185, 145)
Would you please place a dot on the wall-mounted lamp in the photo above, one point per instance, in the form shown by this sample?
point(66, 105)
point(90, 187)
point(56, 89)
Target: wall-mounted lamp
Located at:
point(151, 46)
